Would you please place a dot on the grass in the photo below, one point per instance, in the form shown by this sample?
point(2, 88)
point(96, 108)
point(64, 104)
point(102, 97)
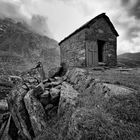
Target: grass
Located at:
point(97, 117)
point(112, 118)
point(129, 79)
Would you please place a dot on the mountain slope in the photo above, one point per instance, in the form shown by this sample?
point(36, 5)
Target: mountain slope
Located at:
point(21, 48)
point(129, 59)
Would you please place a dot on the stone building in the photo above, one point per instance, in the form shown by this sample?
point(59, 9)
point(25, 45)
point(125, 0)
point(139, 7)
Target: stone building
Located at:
point(93, 44)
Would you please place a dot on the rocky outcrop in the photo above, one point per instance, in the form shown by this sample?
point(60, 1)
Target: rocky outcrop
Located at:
point(35, 110)
point(21, 49)
point(31, 104)
point(19, 112)
point(68, 99)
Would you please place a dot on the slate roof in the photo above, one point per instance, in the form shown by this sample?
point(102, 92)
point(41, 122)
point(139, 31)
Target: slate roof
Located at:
point(91, 22)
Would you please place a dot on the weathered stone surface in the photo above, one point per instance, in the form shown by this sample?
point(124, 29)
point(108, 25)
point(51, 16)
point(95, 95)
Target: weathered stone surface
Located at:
point(71, 50)
point(74, 75)
point(53, 72)
point(79, 79)
point(3, 105)
point(68, 99)
point(119, 90)
point(54, 92)
point(19, 113)
point(5, 134)
point(56, 83)
point(36, 112)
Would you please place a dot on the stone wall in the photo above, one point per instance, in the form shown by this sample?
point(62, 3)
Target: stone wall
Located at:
point(73, 50)
point(100, 30)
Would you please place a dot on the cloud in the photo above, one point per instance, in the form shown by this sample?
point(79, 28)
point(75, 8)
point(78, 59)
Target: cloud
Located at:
point(39, 24)
point(125, 15)
point(62, 17)
point(19, 10)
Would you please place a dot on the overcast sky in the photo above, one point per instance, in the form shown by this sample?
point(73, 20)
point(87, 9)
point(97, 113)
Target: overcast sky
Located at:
point(59, 18)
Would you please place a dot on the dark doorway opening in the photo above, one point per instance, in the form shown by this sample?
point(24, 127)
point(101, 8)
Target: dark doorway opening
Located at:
point(100, 50)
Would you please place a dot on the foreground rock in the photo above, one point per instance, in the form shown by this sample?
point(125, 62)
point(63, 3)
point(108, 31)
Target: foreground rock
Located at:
point(32, 103)
point(35, 110)
point(19, 113)
point(119, 90)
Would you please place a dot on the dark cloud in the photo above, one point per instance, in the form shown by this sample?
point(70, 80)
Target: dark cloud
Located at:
point(125, 2)
point(12, 10)
point(132, 7)
point(136, 10)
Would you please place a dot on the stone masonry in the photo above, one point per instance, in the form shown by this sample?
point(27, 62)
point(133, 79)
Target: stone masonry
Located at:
point(74, 47)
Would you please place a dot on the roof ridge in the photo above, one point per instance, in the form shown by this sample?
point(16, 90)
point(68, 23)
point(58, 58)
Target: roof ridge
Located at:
point(87, 23)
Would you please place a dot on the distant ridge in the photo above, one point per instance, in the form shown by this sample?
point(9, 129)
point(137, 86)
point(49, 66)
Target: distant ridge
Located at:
point(129, 59)
point(21, 48)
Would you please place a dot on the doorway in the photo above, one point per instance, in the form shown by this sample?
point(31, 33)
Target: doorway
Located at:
point(101, 44)
point(91, 53)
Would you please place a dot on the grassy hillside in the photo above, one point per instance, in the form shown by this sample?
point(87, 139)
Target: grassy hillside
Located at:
point(129, 59)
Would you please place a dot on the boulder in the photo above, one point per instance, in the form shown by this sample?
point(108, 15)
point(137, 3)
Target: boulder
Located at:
point(53, 72)
point(74, 74)
point(36, 112)
point(67, 106)
point(19, 113)
point(119, 90)
point(68, 99)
